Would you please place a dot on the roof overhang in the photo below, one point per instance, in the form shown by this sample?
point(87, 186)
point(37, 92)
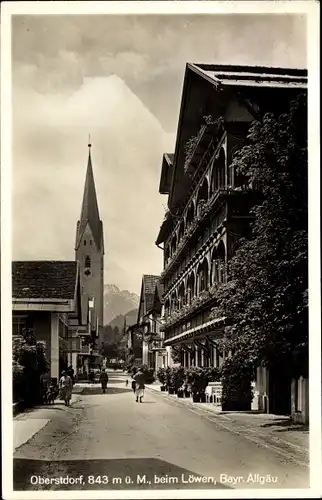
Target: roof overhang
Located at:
point(164, 229)
point(213, 87)
point(197, 87)
point(216, 326)
point(136, 326)
point(51, 305)
point(166, 174)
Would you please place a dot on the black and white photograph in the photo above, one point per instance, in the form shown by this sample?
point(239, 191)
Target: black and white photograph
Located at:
point(160, 300)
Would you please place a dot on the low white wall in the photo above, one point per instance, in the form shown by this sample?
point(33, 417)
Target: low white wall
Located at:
point(300, 400)
point(169, 357)
point(261, 390)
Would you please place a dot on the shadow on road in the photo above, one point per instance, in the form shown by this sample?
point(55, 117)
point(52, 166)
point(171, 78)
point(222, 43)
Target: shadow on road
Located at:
point(286, 425)
point(127, 473)
point(89, 391)
point(57, 406)
point(117, 380)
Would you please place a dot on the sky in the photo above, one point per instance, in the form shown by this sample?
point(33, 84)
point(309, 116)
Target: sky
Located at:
point(119, 79)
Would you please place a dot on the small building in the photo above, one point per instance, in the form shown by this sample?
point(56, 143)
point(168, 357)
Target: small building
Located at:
point(82, 346)
point(157, 353)
point(145, 340)
point(145, 305)
point(44, 295)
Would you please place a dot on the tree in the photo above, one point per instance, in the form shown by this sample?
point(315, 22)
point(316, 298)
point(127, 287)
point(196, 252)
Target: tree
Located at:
point(114, 344)
point(29, 362)
point(265, 299)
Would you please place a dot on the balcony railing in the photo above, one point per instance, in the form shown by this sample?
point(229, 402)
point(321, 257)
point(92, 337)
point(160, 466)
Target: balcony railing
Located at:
point(157, 345)
point(203, 211)
point(185, 312)
point(85, 349)
point(208, 132)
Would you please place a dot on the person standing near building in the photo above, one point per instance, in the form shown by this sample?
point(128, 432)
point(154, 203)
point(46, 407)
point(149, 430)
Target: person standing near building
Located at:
point(70, 373)
point(103, 380)
point(66, 387)
point(139, 385)
point(44, 384)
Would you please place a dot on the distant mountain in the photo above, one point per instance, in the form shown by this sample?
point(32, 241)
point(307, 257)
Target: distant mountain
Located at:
point(119, 303)
point(130, 318)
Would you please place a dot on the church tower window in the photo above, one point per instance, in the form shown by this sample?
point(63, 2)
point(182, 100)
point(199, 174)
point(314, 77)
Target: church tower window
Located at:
point(89, 249)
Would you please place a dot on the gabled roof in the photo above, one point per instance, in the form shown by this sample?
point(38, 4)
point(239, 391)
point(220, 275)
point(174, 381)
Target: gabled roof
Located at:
point(213, 87)
point(158, 297)
point(149, 282)
point(89, 211)
point(43, 279)
point(252, 76)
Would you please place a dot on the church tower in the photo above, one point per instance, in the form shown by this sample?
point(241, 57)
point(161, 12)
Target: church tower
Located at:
point(89, 249)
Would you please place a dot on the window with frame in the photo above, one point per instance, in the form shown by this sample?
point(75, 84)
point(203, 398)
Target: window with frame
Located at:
point(19, 325)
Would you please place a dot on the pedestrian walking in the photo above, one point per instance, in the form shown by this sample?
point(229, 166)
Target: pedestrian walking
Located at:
point(44, 384)
point(91, 375)
point(133, 385)
point(66, 387)
point(139, 385)
point(126, 383)
point(70, 372)
point(103, 380)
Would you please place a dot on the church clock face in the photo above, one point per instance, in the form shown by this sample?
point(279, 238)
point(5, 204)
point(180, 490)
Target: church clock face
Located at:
point(87, 272)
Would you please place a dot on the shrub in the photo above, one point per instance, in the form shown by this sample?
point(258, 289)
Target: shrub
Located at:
point(197, 379)
point(168, 380)
point(29, 362)
point(213, 374)
point(161, 374)
point(177, 377)
point(237, 392)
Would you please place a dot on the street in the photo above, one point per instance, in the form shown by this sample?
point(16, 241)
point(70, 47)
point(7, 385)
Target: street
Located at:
point(108, 441)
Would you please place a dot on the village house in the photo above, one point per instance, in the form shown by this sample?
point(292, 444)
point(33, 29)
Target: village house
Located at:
point(157, 354)
point(62, 301)
point(44, 295)
point(145, 341)
point(208, 210)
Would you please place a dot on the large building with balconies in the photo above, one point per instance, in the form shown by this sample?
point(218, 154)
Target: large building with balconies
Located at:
point(208, 208)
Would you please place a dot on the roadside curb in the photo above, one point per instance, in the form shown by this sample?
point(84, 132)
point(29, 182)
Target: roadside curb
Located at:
point(268, 441)
point(18, 408)
point(185, 403)
point(23, 410)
